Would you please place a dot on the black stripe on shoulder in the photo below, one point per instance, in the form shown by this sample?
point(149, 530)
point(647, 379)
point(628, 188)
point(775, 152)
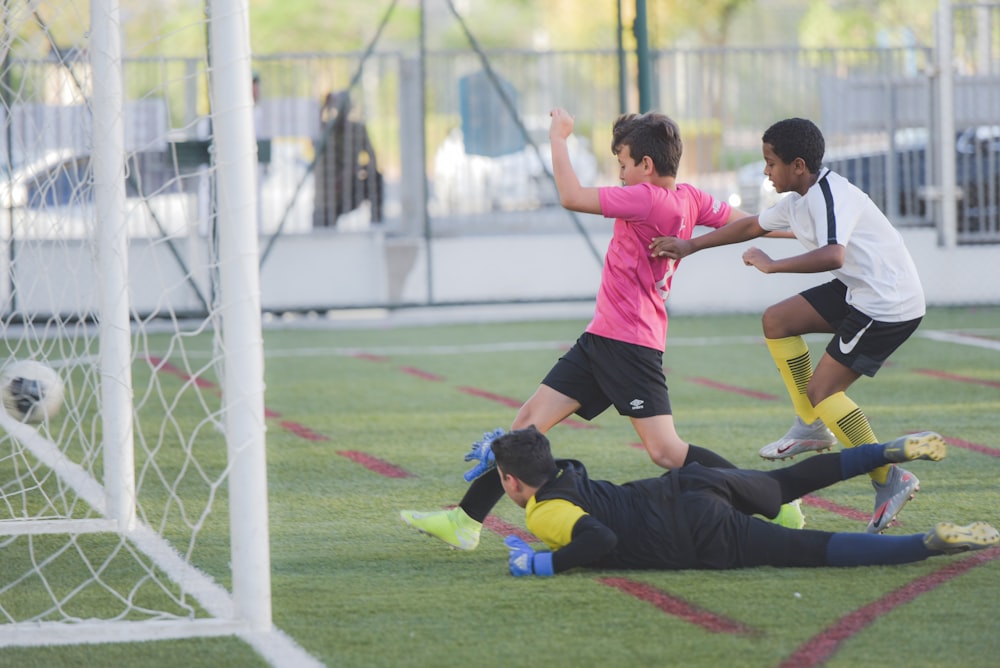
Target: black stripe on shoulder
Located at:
point(831, 217)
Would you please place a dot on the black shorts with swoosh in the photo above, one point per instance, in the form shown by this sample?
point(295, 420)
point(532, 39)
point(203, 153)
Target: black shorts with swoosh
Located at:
point(859, 342)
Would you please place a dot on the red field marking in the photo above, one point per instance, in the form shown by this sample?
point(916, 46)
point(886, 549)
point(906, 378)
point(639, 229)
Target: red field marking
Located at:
point(369, 357)
point(961, 379)
point(294, 427)
point(160, 365)
point(763, 396)
point(975, 447)
point(821, 647)
point(483, 394)
point(375, 464)
point(514, 403)
point(426, 375)
point(678, 607)
point(843, 511)
point(503, 528)
point(302, 431)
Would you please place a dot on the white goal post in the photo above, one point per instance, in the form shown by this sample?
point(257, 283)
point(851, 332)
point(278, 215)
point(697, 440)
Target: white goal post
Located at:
point(112, 513)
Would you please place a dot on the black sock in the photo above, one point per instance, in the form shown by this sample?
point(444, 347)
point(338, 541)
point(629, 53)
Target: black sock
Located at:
point(706, 457)
point(809, 475)
point(482, 495)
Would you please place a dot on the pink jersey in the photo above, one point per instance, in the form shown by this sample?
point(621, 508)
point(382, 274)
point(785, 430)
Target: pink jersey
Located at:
point(634, 285)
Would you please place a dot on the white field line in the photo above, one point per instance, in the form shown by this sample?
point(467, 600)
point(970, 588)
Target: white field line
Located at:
point(522, 346)
point(497, 347)
point(960, 339)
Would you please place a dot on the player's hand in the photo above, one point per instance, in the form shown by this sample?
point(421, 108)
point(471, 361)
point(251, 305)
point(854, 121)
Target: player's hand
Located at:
point(525, 561)
point(670, 247)
point(755, 257)
point(482, 453)
point(561, 126)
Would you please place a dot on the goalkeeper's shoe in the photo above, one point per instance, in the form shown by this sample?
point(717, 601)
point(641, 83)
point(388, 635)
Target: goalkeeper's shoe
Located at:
point(452, 526)
point(900, 486)
point(799, 439)
point(925, 445)
point(791, 515)
point(951, 538)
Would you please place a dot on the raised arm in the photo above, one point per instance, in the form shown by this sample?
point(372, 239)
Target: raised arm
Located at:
point(572, 195)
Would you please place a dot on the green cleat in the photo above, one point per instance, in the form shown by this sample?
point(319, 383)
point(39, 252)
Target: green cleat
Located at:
point(791, 515)
point(925, 445)
point(950, 538)
point(452, 526)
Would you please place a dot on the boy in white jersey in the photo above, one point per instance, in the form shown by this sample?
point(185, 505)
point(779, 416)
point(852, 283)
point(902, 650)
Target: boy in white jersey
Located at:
point(618, 360)
point(874, 303)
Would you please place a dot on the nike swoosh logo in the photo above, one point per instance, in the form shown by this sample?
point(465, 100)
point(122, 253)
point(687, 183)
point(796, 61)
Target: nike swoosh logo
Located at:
point(847, 346)
point(785, 449)
point(879, 515)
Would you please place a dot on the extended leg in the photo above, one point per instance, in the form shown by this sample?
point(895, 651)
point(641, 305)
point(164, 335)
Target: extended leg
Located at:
point(824, 470)
point(863, 549)
point(784, 324)
point(765, 544)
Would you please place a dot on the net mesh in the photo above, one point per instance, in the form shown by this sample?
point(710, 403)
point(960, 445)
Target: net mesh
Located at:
point(62, 558)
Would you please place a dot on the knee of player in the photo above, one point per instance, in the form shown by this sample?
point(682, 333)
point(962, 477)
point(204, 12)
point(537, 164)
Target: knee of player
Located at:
point(773, 324)
point(814, 395)
point(667, 455)
point(523, 420)
point(820, 389)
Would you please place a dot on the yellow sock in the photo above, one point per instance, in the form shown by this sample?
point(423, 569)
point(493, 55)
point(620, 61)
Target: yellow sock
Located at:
point(791, 356)
point(850, 426)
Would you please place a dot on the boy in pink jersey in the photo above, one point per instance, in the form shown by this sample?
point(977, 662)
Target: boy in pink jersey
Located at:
point(618, 360)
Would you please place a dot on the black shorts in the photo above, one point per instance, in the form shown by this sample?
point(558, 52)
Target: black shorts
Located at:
point(717, 507)
point(599, 372)
point(859, 342)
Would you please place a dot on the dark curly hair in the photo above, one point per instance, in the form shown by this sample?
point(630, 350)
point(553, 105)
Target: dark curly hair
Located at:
point(797, 138)
point(653, 134)
point(526, 455)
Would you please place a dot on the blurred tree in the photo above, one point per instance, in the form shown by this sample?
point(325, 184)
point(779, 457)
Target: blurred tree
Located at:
point(569, 28)
point(321, 26)
point(695, 22)
point(177, 28)
point(868, 23)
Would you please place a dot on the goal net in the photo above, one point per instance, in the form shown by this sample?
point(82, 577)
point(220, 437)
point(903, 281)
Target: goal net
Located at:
point(129, 256)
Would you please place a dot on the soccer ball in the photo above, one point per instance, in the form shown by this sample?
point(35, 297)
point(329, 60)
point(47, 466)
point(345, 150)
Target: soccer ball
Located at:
point(32, 392)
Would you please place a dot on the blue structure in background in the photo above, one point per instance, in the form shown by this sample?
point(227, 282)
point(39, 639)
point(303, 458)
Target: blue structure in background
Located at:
point(488, 127)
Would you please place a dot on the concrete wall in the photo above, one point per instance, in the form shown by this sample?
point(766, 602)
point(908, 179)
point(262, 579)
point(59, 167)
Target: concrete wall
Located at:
point(330, 269)
point(713, 281)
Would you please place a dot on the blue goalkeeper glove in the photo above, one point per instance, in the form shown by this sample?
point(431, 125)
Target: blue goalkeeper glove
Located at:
point(525, 561)
point(483, 454)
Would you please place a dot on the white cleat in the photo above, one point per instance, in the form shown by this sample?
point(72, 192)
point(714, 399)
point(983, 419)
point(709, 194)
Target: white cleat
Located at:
point(800, 438)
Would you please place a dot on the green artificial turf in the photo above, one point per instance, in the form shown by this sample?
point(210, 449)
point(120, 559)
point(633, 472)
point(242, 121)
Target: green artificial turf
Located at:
point(355, 587)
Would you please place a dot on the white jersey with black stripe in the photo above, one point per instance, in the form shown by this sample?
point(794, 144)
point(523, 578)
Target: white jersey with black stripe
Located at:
point(881, 277)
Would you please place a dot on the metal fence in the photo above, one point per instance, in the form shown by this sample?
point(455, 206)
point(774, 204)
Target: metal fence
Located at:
point(458, 138)
point(875, 106)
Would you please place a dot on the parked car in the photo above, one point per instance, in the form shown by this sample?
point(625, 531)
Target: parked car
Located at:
point(977, 169)
point(465, 183)
point(53, 197)
point(166, 193)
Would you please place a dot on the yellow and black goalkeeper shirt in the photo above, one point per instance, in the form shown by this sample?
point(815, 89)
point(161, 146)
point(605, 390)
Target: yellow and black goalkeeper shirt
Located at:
point(603, 525)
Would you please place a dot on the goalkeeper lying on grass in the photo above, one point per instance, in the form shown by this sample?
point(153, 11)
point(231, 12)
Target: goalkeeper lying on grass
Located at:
point(700, 517)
